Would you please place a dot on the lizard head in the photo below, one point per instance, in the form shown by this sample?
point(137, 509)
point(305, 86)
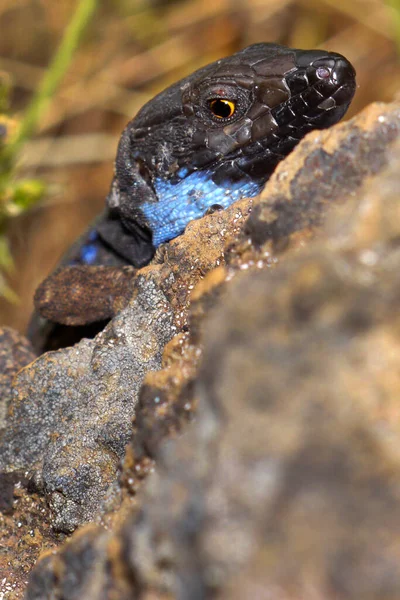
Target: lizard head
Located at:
point(217, 135)
point(246, 111)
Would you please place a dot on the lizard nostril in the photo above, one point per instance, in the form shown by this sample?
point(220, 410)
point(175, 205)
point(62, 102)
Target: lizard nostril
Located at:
point(323, 73)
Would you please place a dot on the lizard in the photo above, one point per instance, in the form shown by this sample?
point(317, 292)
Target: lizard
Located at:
point(208, 140)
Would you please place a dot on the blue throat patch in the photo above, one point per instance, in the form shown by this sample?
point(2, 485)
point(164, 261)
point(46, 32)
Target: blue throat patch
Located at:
point(179, 203)
point(89, 250)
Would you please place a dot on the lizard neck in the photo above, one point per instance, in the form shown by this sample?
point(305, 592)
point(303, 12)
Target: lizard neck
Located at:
point(190, 198)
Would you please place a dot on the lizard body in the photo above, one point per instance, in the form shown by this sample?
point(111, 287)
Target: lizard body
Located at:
point(210, 139)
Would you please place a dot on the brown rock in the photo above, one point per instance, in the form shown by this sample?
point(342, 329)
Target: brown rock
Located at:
point(15, 353)
point(81, 295)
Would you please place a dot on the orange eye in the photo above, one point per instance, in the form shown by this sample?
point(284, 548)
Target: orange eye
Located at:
point(222, 108)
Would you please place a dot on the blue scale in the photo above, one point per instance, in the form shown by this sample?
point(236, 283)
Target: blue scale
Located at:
point(179, 203)
point(89, 250)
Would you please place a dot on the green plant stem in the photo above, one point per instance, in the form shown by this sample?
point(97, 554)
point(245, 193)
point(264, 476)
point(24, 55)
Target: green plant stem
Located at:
point(395, 6)
point(53, 75)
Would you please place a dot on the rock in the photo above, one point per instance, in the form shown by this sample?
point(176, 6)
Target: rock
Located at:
point(287, 483)
point(81, 295)
point(25, 532)
point(71, 412)
point(15, 353)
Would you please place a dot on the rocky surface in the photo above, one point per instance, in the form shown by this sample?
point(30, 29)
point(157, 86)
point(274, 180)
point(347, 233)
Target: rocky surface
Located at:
point(25, 533)
point(65, 297)
point(287, 482)
point(15, 353)
point(70, 418)
point(71, 411)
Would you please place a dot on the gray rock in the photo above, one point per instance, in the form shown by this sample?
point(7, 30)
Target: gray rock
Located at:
point(72, 409)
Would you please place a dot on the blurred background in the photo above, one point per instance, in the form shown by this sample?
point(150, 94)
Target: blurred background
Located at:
point(129, 51)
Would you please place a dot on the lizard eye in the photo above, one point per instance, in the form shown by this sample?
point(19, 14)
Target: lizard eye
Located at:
point(222, 108)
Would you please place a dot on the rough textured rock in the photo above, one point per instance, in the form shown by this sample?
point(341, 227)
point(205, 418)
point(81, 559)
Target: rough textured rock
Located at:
point(66, 297)
point(70, 412)
point(25, 533)
point(70, 418)
point(15, 352)
point(287, 484)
